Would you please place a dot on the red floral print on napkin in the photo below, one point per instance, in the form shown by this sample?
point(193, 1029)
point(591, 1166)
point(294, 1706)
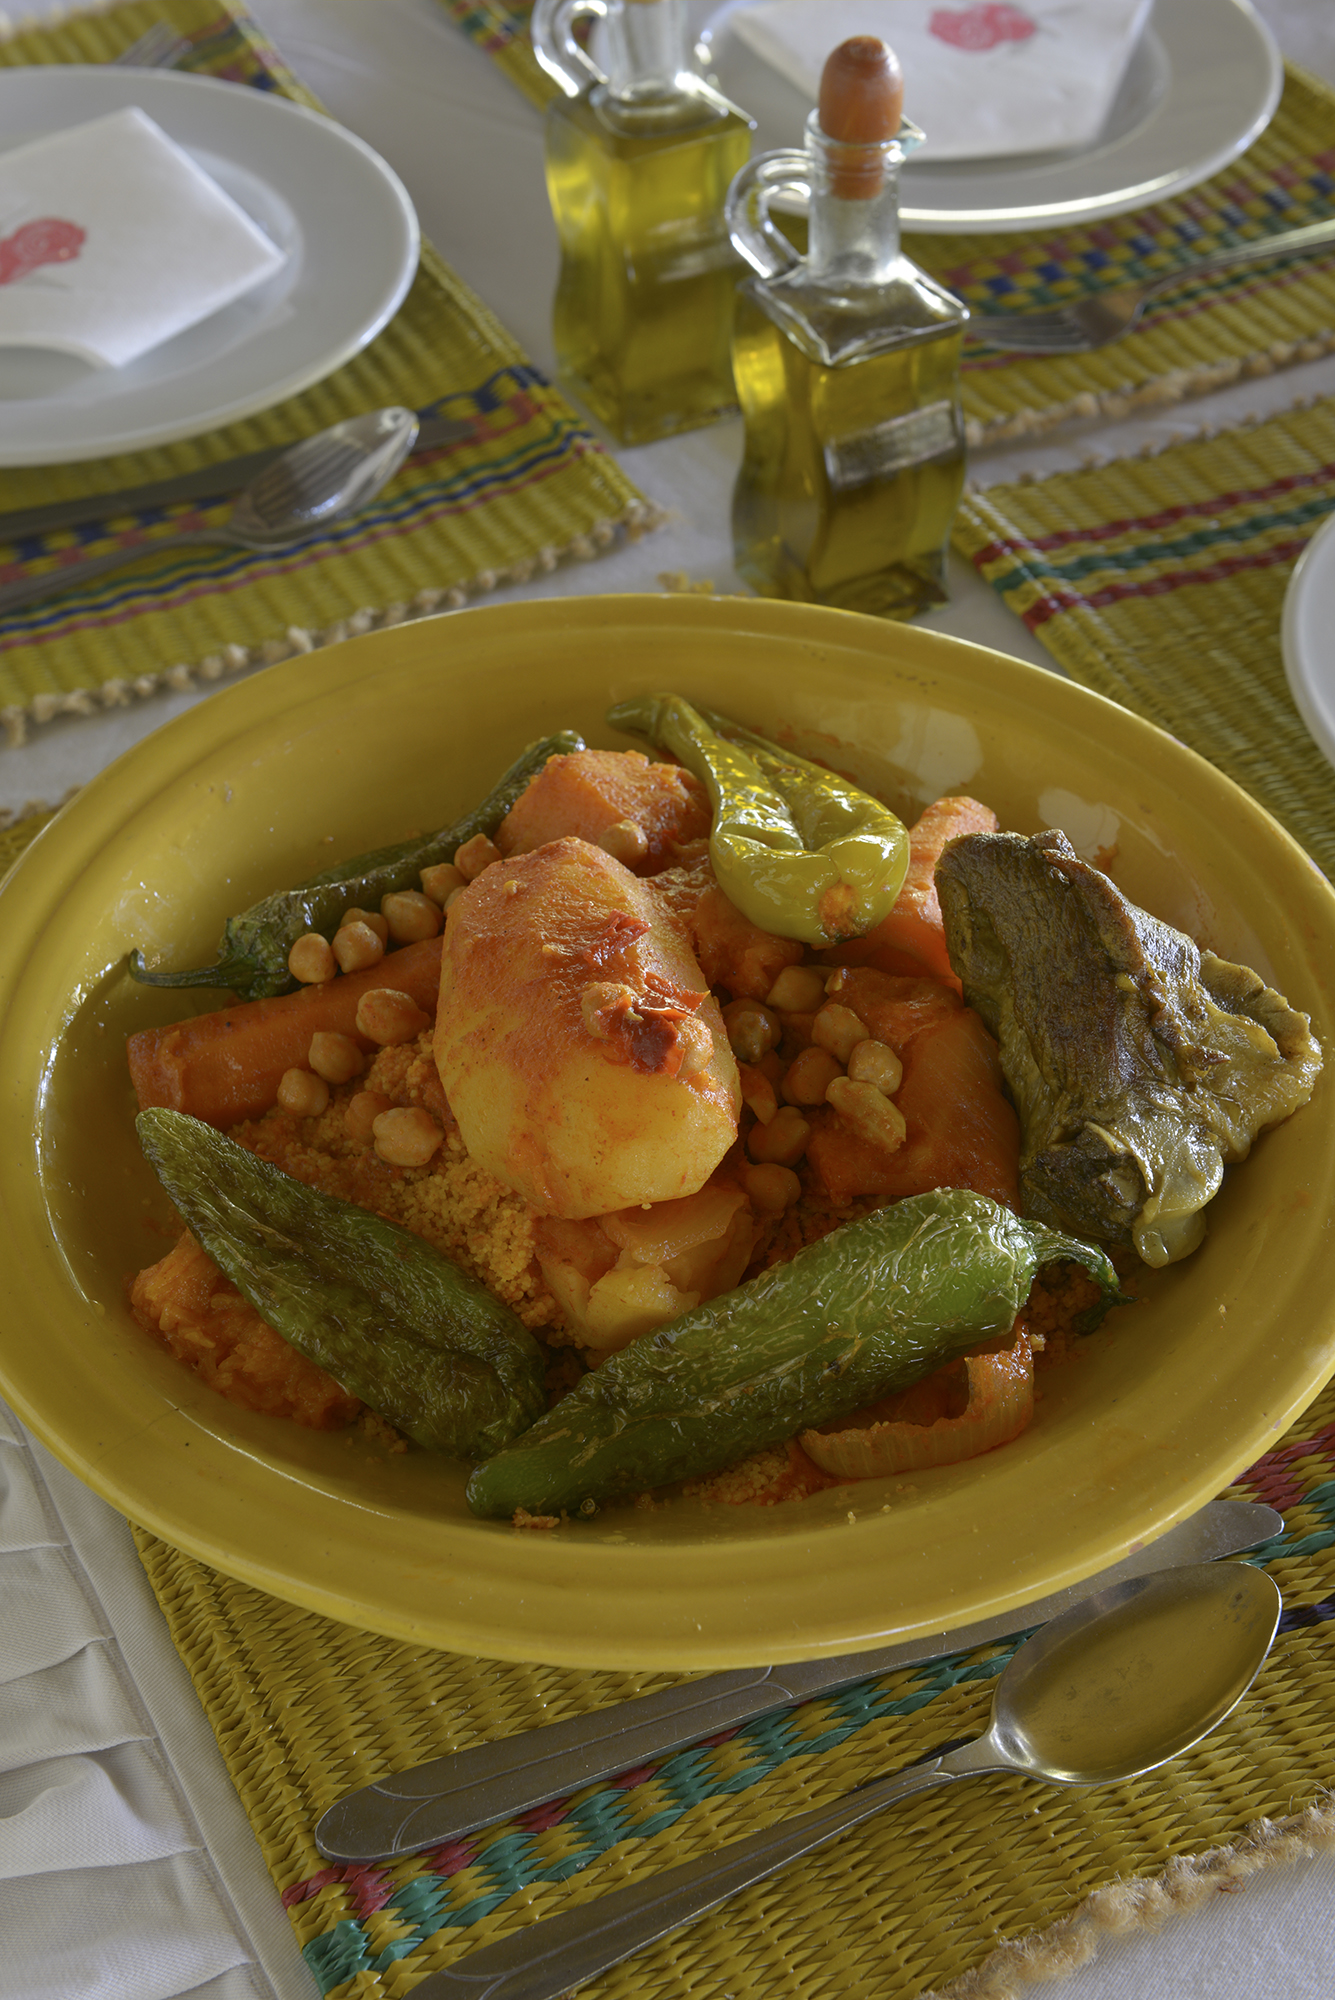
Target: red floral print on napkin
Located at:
point(981, 27)
point(48, 240)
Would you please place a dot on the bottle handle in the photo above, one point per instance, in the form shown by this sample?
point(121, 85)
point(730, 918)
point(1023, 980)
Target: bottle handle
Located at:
point(553, 30)
point(746, 211)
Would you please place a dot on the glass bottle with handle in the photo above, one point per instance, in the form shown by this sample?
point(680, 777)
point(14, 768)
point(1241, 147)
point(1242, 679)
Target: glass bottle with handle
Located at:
point(846, 362)
point(639, 160)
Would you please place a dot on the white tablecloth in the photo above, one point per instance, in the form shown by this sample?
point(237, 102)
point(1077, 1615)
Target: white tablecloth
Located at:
point(127, 1868)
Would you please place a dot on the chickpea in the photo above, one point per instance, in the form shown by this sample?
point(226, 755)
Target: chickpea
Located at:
point(601, 1002)
point(837, 980)
point(873, 1062)
point(752, 1029)
point(335, 1057)
point(311, 960)
point(697, 1045)
point(389, 1019)
point(302, 1092)
point(810, 1076)
point(475, 855)
point(410, 916)
point(799, 989)
point(625, 842)
point(837, 1029)
point(771, 1188)
point(356, 946)
point(362, 1112)
point(783, 1141)
point(440, 881)
point(872, 1116)
point(758, 1092)
point(406, 1138)
point(371, 918)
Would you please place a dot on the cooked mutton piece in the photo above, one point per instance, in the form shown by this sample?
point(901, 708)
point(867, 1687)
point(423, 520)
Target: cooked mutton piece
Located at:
point(1140, 1065)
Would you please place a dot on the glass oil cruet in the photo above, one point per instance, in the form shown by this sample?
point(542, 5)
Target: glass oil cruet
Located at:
point(846, 363)
point(638, 164)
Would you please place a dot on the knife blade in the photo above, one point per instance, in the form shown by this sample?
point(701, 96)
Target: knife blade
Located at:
point(455, 1795)
point(207, 482)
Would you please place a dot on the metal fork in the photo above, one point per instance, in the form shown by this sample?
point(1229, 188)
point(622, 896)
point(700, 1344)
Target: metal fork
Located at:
point(159, 47)
point(1084, 324)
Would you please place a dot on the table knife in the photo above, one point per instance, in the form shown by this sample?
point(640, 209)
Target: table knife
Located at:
point(455, 1795)
point(207, 482)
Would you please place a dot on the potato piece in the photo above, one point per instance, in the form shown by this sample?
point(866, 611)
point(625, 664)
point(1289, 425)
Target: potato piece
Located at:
point(580, 1115)
point(625, 1304)
point(589, 793)
point(734, 952)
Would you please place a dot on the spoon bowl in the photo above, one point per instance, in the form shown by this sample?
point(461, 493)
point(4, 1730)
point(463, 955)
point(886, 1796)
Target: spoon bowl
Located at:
point(1135, 1675)
point(302, 492)
point(1112, 1689)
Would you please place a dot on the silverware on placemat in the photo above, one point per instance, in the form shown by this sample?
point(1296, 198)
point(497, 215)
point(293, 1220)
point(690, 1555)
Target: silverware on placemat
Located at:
point(1102, 317)
point(1111, 1690)
point(206, 482)
point(301, 492)
point(455, 1795)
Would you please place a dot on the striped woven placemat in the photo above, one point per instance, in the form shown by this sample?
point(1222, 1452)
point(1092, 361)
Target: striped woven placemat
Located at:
point(530, 486)
point(1160, 582)
point(1196, 339)
point(304, 1709)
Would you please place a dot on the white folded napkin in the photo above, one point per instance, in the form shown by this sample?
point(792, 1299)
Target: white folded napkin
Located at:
point(112, 240)
point(983, 80)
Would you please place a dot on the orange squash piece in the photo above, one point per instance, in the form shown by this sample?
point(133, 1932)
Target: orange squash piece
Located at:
point(583, 796)
point(912, 938)
point(187, 1302)
point(961, 1132)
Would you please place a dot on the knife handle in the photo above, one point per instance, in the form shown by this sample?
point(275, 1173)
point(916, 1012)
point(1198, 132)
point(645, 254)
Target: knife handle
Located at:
point(455, 1795)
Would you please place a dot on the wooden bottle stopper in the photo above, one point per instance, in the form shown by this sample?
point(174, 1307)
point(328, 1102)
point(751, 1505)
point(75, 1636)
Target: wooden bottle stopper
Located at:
point(861, 104)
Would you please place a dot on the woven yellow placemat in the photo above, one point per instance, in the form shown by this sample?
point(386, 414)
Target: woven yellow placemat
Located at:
point(305, 1709)
point(1196, 339)
point(1160, 581)
point(530, 486)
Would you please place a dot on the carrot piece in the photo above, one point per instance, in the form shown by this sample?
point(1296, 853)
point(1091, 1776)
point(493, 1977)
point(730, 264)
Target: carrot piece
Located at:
point(913, 938)
point(227, 1066)
point(961, 1130)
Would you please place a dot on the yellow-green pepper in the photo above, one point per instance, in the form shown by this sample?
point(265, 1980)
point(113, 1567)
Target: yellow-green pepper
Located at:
point(801, 852)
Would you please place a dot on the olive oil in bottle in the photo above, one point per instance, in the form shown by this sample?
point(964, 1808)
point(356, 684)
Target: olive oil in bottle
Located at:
point(846, 364)
point(638, 166)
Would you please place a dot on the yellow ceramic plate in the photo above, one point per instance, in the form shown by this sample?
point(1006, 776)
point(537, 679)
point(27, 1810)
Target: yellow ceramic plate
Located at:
point(329, 755)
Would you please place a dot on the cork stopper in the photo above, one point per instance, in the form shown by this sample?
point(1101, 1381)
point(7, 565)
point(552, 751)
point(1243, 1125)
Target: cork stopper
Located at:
point(861, 104)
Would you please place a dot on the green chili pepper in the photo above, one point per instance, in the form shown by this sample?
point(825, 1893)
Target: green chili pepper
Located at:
point(873, 1306)
point(375, 1306)
point(800, 851)
point(252, 957)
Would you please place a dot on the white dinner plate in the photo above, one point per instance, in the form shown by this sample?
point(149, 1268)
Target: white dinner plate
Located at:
point(343, 216)
point(1202, 84)
point(1307, 636)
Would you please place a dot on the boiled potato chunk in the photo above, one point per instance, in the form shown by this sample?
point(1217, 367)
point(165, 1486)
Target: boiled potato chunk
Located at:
point(576, 1040)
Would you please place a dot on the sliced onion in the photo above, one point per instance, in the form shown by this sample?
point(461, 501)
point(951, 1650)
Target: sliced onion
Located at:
point(1000, 1405)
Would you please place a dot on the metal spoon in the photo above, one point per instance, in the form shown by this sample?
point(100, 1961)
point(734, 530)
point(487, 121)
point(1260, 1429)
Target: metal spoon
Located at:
point(314, 484)
point(1108, 1691)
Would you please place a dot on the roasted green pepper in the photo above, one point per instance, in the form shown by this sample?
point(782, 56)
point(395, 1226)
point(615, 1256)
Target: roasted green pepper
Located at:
point(252, 961)
point(375, 1306)
point(800, 851)
point(872, 1307)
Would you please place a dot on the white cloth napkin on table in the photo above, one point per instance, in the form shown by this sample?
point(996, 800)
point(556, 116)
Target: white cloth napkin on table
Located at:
point(982, 80)
point(127, 1868)
point(112, 240)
